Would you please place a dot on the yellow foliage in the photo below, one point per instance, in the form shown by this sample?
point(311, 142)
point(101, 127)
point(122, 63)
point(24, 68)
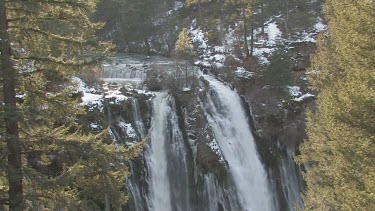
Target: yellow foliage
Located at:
point(184, 46)
point(340, 150)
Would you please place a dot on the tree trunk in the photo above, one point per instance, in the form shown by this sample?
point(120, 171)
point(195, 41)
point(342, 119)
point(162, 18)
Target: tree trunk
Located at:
point(186, 73)
point(107, 203)
point(286, 19)
point(245, 32)
point(252, 40)
point(14, 167)
point(148, 48)
point(262, 16)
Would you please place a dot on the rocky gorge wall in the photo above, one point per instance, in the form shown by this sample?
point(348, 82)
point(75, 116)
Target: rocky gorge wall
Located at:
point(128, 113)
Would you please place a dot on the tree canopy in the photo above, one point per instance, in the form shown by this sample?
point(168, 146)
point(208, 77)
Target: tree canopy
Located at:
point(51, 162)
point(339, 151)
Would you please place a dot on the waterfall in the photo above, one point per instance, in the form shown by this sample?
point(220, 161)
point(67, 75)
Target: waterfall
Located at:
point(178, 171)
point(132, 70)
point(226, 116)
point(135, 71)
point(160, 196)
point(139, 126)
point(291, 182)
point(132, 184)
point(217, 198)
point(212, 193)
point(167, 159)
point(169, 176)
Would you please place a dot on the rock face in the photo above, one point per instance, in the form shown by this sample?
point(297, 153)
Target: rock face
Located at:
point(199, 132)
point(194, 158)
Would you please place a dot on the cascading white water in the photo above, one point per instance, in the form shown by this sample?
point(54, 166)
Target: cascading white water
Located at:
point(125, 71)
point(167, 178)
point(140, 127)
point(132, 69)
point(177, 161)
point(134, 191)
point(290, 181)
point(168, 159)
point(132, 184)
point(227, 118)
point(160, 196)
point(217, 198)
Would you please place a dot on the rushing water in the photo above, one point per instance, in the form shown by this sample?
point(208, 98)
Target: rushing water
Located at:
point(291, 181)
point(160, 195)
point(134, 191)
point(232, 131)
point(139, 126)
point(132, 69)
point(132, 184)
point(168, 158)
point(166, 177)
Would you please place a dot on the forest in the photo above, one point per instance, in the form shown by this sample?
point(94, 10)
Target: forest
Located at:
point(187, 105)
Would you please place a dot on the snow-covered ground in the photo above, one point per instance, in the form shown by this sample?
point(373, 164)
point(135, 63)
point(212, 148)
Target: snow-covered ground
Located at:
point(90, 98)
point(93, 98)
point(264, 45)
point(242, 73)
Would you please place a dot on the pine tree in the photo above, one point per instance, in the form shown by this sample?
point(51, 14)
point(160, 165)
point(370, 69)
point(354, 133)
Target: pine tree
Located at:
point(245, 9)
point(279, 72)
point(339, 152)
point(136, 23)
point(198, 3)
point(52, 163)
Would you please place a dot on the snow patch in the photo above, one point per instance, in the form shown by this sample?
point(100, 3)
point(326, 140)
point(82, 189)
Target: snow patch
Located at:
point(117, 95)
point(303, 97)
point(319, 25)
point(92, 101)
point(242, 73)
point(141, 91)
point(198, 37)
point(178, 5)
point(89, 98)
point(274, 33)
point(81, 86)
point(215, 148)
point(21, 96)
point(295, 92)
point(267, 46)
point(202, 63)
point(94, 126)
point(128, 129)
point(210, 56)
point(262, 54)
